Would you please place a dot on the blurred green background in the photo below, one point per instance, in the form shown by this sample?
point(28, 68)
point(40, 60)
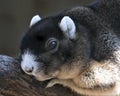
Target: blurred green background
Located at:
point(15, 16)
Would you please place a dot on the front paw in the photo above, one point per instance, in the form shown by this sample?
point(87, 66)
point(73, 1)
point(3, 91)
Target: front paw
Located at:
point(52, 83)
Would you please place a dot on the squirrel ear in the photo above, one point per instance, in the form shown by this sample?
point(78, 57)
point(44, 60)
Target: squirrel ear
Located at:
point(68, 27)
point(34, 20)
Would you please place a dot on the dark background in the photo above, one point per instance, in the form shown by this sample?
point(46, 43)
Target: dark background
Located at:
point(15, 16)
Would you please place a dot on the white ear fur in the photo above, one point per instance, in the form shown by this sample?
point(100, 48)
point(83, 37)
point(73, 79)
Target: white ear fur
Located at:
point(34, 20)
point(68, 27)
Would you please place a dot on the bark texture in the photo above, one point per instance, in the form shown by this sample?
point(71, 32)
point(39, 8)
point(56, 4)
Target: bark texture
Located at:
point(14, 82)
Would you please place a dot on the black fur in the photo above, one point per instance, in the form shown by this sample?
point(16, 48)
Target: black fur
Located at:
point(97, 37)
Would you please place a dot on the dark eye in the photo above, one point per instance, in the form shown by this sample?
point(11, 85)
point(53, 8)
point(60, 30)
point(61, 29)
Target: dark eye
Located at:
point(51, 43)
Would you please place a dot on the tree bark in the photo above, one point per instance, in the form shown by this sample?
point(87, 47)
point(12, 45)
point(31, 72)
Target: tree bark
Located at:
point(14, 82)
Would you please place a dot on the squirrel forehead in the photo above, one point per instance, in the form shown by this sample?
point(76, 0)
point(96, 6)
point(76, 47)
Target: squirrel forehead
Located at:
point(47, 27)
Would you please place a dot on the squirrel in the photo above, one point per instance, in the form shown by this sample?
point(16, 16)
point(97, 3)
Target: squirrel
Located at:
point(78, 48)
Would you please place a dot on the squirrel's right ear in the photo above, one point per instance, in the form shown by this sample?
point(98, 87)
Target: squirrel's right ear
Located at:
point(68, 27)
point(34, 20)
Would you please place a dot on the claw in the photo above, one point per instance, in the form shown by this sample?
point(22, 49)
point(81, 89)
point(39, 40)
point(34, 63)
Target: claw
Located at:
point(52, 83)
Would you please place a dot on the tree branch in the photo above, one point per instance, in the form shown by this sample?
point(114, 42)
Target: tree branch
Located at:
point(14, 82)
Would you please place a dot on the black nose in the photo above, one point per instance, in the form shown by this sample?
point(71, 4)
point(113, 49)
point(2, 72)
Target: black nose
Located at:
point(29, 70)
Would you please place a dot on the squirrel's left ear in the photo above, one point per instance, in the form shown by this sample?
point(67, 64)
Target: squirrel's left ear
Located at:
point(68, 27)
point(34, 20)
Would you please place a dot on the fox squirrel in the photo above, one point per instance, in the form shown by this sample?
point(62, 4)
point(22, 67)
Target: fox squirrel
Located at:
point(78, 48)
